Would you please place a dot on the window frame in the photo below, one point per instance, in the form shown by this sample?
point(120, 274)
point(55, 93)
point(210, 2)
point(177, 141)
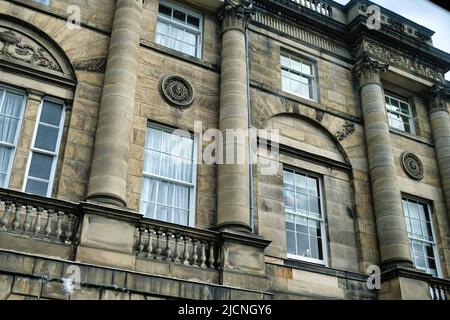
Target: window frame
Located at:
point(409, 198)
point(18, 130)
point(192, 186)
point(410, 116)
point(322, 221)
point(187, 11)
point(312, 77)
point(55, 154)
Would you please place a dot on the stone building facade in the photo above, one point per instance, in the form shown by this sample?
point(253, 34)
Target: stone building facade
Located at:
point(97, 204)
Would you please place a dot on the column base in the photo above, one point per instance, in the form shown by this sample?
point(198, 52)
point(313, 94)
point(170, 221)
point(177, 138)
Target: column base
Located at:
point(108, 199)
point(237, 226)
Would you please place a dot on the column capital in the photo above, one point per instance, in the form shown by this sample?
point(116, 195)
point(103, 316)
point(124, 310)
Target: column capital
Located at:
point(438, 95)
point(235, 14)
point(367, 71)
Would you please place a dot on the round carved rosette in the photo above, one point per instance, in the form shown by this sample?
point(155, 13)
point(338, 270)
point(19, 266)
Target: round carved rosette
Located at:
point(177, 91)
point(412, 165)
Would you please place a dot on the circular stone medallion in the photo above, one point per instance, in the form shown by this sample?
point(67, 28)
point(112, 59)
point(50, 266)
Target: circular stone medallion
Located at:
point(412, 165)
point(177, 91)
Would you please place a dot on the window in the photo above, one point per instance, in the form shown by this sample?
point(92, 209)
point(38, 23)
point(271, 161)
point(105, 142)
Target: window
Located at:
point(297, 76)
point(168, 184)
point(420, 234)
point(45, 147)
point(399, 114)
point(304, 217)
point(11, 114)
point(179, 29)
point(46, 2)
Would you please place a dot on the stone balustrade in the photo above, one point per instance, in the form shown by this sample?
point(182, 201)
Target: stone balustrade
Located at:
point(439, 289)
point(178, 244)
point(38, 217)
point(315, 5)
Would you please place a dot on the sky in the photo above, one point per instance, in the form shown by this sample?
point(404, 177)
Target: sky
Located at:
point(424, 13)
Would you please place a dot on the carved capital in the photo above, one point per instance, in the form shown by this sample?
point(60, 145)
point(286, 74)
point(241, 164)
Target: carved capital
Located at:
point(368, 70)
point(235, 14)
point(438, 96)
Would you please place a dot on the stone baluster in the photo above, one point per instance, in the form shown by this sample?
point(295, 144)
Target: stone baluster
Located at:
point(69, 232)
point(27, 222)
point(194, 252)
point(16, 221)
point(185, 250)
point(59, 231)
point(387, 199)
point(37, 223)
point(141, 241)
point(107, 181)
point(5, 219)
point(202, 254)
point(158, 245)
point(168, 251)
point(176, 253)
point(150, 243)
point(48, 227)
point(211, 255)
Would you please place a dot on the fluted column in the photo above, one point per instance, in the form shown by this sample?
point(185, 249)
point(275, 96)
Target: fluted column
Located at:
point(233, 179)
point(108, 177)
point(392, 235)
point(440, 126)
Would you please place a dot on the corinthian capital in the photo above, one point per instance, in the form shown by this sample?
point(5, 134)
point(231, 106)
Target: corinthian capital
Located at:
point(368, 70)
point(235, 14)
point(438, 97)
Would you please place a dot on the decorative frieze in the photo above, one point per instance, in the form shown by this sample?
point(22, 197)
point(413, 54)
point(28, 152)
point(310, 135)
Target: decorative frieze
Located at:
point(177, 91)
point(412, 165)
point(97, 65)
point(17, 46)
point(397, 59)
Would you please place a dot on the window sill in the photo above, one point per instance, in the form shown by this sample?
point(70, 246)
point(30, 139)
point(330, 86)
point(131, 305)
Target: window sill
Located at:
point(411, 136)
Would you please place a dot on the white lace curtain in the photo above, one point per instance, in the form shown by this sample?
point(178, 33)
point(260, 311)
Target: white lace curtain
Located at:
point(10, 112)
point(176, 38)
point(168, 176)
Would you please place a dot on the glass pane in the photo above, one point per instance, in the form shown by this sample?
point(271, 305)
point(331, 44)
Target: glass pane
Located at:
point(2, 180)
point(180, 217)
point(413, 210)
point(288, 178)
point(12, 105)
point(290, 222)
point(51, 113)
point(307, 69)
point(312, 186)
point(154, 138)
point(289, 199)
point(301, 224)
point(5, 156)
point(302, 203)
point(416, 229)
point(193, 21)
point(36, 187)
point(300, 183)
point(405, 207)
point(296, 65)
point(165, 193)
point(314, 205)
point(290, 242)
point(46, 138)
point(394, 105)
point(165, 11)
point(404, 108)
point(314, 247)
point(163, 213)
point(285, 61)
point(181, 197)
point(148, 210)
point(422, 214)
point(303, 249)
point(41, 166)
point(8, 129)
point(314, 228)
point(152, 162)
point(179, 16)
point(149, 187)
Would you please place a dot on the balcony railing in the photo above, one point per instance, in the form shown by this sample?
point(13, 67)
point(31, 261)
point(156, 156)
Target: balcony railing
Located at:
point(315, 5)
point(39, 217)
point(439, 289)
point(178, 244)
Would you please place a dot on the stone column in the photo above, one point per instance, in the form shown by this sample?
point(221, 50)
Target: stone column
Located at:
point(440, 126)
point(392, 235)
point(107, 183)
point(233, 211)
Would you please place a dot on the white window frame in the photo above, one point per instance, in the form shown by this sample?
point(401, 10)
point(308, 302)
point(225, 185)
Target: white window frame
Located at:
point(19, 127)
point(199, 32)
point(43, 2)
point(322, 220)
point(313, 77)
point(409, 115)
point(192, 186)
point(46, 152)
point(433, 243)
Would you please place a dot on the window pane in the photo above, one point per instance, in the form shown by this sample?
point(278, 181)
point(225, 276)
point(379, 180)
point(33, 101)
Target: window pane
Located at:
point(314, 247)
point(51, 113)
point(289, 199)
point(307, 69)
point(303, 249)
point(290, 242)
point(179, 16)
point(149, 187)
point(8, 129)
point(36, 187)
point(300, 183)
point(41, 166)
point(12, 105)
point(301, 224)
point(302, 203)
point(5, 158)
point(288, 180)
point(193, 21)
point(312, 186)
point(165, 11)
point(46, 138)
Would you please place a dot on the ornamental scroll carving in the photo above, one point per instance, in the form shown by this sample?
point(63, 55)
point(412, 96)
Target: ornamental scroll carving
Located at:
point(177, 91)
point(412, 165)
point(17, 46)
point(347, 129)
point(398, 59)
